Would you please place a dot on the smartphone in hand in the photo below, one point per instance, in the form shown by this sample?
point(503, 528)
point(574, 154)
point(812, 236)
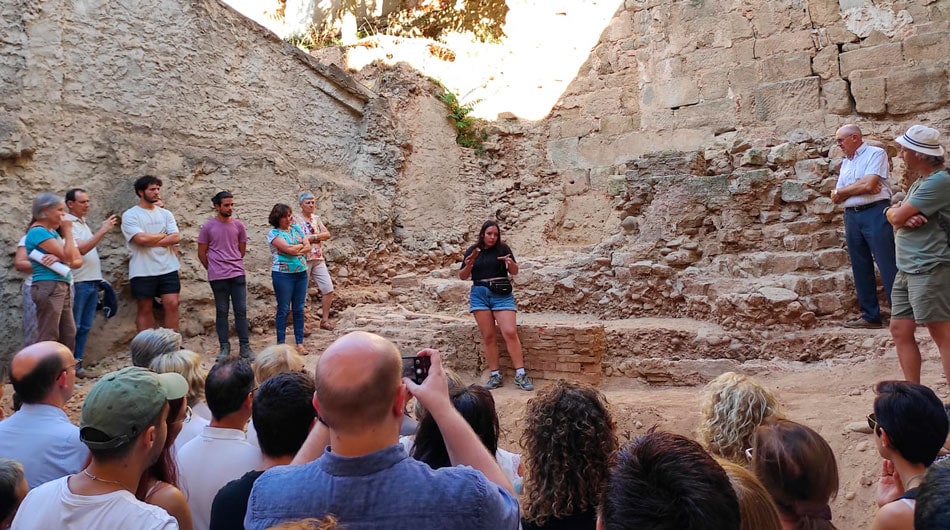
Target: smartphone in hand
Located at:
point(416, 368)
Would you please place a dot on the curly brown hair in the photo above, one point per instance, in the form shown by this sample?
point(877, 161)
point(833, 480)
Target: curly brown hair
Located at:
point(568, 440)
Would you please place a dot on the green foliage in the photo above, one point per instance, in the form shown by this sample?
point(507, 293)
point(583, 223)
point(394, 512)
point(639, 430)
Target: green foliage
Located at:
point(468, 129)
point(312, 38)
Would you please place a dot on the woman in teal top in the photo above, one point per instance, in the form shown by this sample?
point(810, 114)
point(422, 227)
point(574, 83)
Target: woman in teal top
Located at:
point(289, 248)
point(50, 290)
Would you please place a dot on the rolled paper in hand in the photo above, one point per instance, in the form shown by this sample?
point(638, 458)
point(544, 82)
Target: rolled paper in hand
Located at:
point(59, 267)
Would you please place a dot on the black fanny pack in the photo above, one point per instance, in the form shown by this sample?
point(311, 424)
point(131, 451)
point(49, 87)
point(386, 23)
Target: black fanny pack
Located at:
point(502, 286)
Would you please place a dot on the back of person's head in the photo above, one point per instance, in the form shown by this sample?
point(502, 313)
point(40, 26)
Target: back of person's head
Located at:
point(36, 385)
point(756, 507)
point(328, 522)
point(914, 419)
point(665, 481)
point(13, 488)
point(798, 468)
point(124, 405)
point(733, 405)
point(283, 413)
point(187, 364)
point(274, 360)
point(358, 379)
point(150, 343)
point(227, 386)
point(476, 404)
point(568, 439)
point(454, 381)
point(932, 511)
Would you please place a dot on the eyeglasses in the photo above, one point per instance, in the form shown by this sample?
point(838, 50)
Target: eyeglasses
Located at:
point(872, 421)
point(187, 417)
point(748, 454)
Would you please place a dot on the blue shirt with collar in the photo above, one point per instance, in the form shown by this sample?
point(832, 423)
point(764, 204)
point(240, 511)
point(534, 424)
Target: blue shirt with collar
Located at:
point(40, 437)
point(382, 490)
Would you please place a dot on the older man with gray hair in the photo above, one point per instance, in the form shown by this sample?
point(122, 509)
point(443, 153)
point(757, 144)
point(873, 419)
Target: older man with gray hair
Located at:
point(863, 191)
point(922, 221)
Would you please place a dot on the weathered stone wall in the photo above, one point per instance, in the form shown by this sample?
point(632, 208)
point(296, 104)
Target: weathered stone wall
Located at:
point(672, 75)
point(96, 94)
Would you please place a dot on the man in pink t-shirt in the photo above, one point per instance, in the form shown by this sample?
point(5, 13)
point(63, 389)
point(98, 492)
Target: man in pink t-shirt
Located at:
point(222, 243)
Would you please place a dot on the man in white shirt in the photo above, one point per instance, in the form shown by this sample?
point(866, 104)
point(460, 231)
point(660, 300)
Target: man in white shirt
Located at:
point(123, 423)
point(151, 232)
point(86, 278)
point(39, 435)
point(864, 191)
point(221, 453)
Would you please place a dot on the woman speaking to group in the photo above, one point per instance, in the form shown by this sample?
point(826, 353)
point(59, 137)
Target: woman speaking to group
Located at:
point(488, 263)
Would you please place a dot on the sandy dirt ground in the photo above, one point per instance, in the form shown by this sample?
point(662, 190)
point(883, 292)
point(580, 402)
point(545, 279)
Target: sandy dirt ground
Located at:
point(827, 396)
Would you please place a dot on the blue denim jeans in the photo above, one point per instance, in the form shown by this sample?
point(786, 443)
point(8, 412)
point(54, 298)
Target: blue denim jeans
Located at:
point(291, 291)
point(870, 239)
point(227, 292)
point(84, 312)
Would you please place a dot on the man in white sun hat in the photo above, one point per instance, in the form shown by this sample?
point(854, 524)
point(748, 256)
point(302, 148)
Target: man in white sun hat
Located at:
point(922, 238)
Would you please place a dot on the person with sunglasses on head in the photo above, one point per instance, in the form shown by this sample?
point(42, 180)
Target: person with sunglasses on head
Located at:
point(910, 427)
point(316, 233)
point(864, 191)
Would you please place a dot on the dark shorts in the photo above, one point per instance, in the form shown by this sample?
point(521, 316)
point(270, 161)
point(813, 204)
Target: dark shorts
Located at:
point(148, 287)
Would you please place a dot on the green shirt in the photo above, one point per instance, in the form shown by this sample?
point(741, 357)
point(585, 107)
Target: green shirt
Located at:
point(921, 249)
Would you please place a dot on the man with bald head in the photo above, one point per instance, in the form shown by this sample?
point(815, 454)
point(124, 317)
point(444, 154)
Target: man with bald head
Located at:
point(864, 192)
point(368, 481)
point(39, 435)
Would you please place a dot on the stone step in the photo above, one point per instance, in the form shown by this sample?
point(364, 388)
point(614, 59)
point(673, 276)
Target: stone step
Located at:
point(582, 348)
point(756, 264)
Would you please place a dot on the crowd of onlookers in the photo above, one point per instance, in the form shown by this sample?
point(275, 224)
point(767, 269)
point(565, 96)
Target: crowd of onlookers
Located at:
point(264, 443)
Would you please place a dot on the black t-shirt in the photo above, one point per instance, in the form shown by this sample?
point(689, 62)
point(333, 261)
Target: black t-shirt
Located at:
point(230, 504)
point(586, 520)
point(487, 265)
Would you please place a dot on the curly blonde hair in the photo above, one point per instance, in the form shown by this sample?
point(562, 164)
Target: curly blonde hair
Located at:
point(568, 440)
point(733, 405)
point(188, 364)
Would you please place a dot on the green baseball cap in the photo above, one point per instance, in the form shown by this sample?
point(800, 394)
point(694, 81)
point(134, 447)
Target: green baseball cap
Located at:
point(123, 404)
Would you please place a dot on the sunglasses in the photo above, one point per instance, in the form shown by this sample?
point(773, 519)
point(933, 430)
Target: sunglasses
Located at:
point(872, 422)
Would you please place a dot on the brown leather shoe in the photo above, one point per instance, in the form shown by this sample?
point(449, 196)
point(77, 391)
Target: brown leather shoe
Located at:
point(860, 323)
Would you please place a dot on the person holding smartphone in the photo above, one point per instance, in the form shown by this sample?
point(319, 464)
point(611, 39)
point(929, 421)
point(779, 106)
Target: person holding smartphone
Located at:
point(488, 264)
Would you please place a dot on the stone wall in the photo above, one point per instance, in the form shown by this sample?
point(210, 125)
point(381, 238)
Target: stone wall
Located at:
point(96, 94)
point(672, 74)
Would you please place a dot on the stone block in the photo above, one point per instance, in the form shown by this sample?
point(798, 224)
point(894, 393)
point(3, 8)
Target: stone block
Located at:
point(820, 206)
point(754, 157)
point(619, 124)
point(840, 35)
point(677, 93)
point(615, 185)
point(812, 170)
point(824, 12)
point(917, 89)
point(714, 84)
point(745, 181)
point(825, 63)
point(784, 67)
point(832, 259)
point(573, 128)
point(786, 98)
point(836, 97)
point(720, 112)
point(575, 182)
point(784, 42)
point(785, 154)
point(881, 56)
point(793, 191)
point(603, 102)
point(868, 91)
point(927, 47)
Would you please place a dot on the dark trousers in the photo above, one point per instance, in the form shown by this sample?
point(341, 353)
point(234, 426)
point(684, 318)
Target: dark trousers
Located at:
point(232, 291)
point(870, 239)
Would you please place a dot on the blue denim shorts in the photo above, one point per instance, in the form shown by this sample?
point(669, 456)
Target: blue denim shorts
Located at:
point(482, 299)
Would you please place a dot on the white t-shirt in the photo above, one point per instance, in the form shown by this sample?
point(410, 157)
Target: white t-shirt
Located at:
point(149, 261)
point(210, 461)
point(91, 269)
point(507, 461)
point(190, 430)
point(53, 505)
point(29, 277)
